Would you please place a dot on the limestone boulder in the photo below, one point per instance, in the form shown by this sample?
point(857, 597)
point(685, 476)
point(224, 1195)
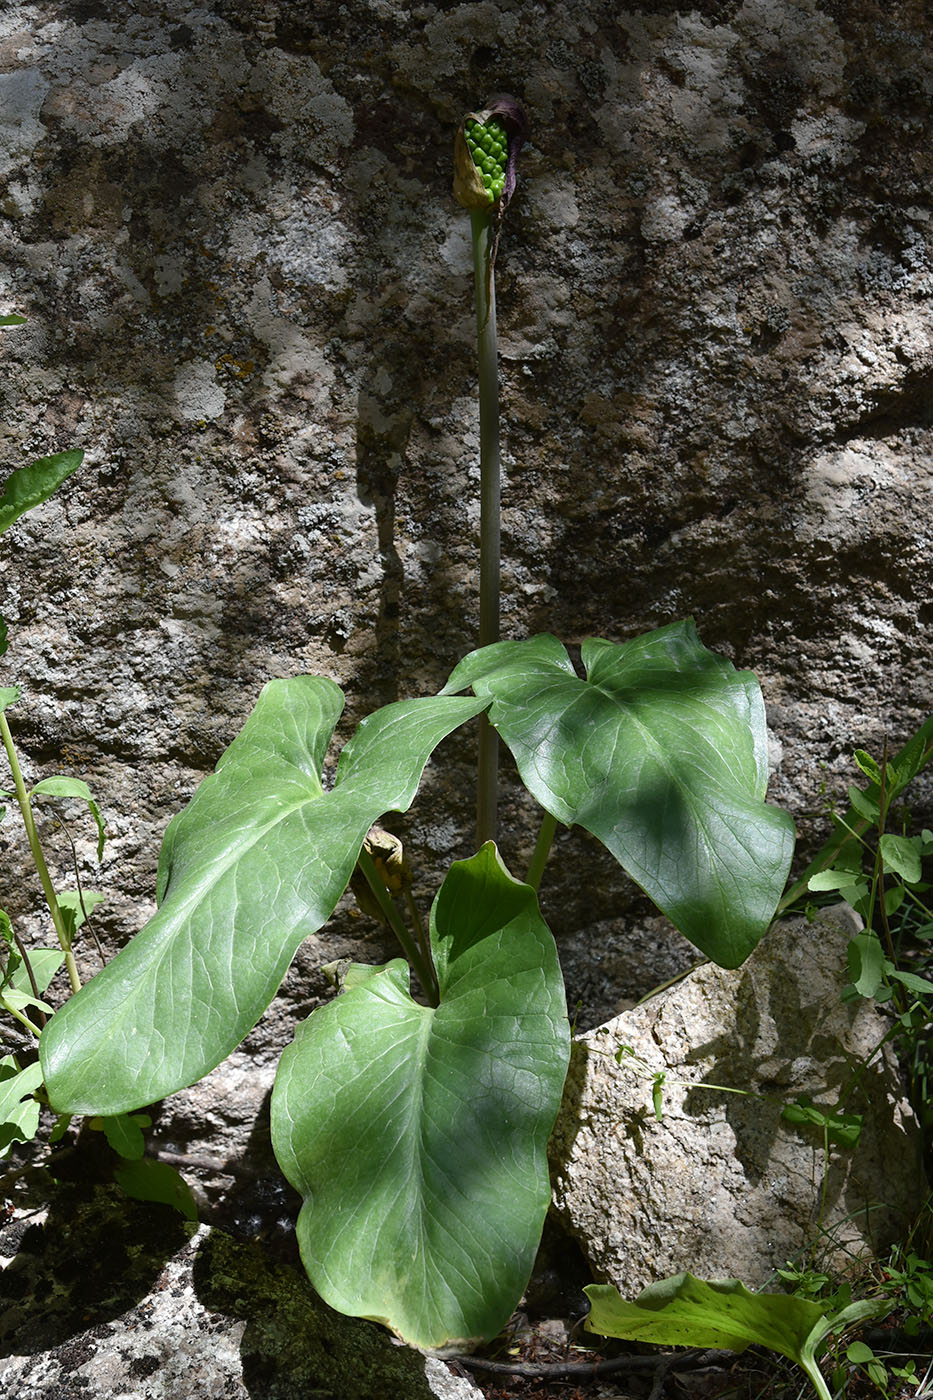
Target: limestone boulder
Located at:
point(721, 1185)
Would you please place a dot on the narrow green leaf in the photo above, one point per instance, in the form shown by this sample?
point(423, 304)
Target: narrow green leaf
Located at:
point(61, 786)
point(835, 880)
point(910, 980)
point(686, 1311)
point(661, 753)
point(30, 486)
point(912, 759)
point(124, 1134)
point(902, 855)
point(254, 864)
point(868, 765)
point(70, 902)
point(19, 1000)
point(418, 1135)
point(12, 320)
point(45, 963)
point(9, 694)
point(894, 898)
point(148, 1180)
point(19, 1111)
point(866, 963)
point(866, 806)
point(60, 1128)
point(843, 1129)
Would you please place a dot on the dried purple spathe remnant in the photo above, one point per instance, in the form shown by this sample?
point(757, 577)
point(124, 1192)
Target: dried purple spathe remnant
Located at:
point(469, 189)
point(511, 114)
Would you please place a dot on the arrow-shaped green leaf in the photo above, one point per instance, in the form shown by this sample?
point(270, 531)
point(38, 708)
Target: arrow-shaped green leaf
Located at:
point(418, 1135)
point(661, 753)
point(255, 863)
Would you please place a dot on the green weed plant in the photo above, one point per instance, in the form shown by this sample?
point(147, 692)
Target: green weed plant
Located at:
point(27, 973)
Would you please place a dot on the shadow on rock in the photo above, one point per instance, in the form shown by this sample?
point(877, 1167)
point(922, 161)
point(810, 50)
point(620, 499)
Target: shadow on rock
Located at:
point(93, 1257)
point(294, 1344)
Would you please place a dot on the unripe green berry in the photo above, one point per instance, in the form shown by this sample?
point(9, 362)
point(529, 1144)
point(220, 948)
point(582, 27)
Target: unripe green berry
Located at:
point(488, 146)
point(485, 151)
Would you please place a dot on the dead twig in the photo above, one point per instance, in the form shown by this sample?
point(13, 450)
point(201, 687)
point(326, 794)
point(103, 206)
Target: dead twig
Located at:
point(593, 1370)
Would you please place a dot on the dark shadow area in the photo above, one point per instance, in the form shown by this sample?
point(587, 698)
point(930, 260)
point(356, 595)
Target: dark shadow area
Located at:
point(293, 1343)
point(98, 1258)
point(95, 1256)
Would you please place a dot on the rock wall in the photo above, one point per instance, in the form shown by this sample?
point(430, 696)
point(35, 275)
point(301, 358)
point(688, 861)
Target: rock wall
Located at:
point(249, 300)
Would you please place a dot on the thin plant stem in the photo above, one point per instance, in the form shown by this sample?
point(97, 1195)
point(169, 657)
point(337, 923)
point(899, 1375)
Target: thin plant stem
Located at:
point(77, 874)
point(423, 967)
point(883, 804)
point(541, 852)
point(490, 496)
point(48, 889)
point(21, 1017)
point(424, 943)
point(33, 984)
point(24, 954)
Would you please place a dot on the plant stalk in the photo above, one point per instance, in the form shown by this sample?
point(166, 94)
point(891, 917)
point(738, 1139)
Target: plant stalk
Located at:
point(33, 984)
point(541, 852)
point(21, 1017)
point(423, 967)
point(422, 938)
point(48, 889)
point(490, 498)
point(24, 954)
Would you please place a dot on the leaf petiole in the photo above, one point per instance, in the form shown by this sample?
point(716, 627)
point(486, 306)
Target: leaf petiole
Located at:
point(422, 965)
point(541, 851)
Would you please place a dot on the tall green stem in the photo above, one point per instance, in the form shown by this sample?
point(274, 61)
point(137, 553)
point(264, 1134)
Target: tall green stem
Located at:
point(488, 775)
point(48, 889)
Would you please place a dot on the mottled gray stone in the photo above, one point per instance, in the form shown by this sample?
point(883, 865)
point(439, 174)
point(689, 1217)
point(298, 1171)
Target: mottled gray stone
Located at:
point(721, 1186)
point(249, 301)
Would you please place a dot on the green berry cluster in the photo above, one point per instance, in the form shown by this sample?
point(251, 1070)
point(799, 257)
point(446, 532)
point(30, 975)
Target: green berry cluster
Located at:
point(489, 146)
